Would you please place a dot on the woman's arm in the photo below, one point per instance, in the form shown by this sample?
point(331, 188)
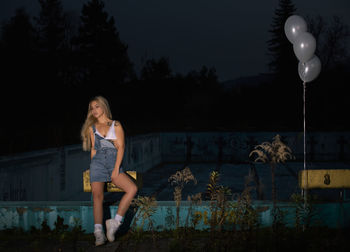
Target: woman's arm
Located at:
point(119, 143)
point(92, 138)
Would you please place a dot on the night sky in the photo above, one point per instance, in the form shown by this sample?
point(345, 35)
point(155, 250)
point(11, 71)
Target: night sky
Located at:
point(228, 35)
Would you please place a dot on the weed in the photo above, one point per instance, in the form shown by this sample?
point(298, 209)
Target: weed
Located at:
point(146, 207)
point(305, 211)
point(272, 153)
point(179, 179)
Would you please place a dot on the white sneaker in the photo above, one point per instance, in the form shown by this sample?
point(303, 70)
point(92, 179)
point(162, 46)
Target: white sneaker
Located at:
point(112, 226)
point(100, 237)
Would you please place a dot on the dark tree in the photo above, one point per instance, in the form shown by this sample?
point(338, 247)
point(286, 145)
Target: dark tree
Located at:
point(51, 26)
point(18, 67)
point(283, 98)
point(332, 40)
point(201, 103)
point(52, 91)
point(52, 41)
point(103, 57)
point(328, 101)
point(334, 50)
point(156, 70)
point(156, 91)
point(18, 32)
point(203, 79)
point(19, 71)
point(282, 58)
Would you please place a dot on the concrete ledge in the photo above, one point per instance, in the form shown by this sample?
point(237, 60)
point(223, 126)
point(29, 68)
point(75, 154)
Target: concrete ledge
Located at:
point(27, 214)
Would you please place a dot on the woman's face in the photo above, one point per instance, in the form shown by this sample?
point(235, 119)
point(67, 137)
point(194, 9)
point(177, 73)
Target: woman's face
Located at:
point(96, 109)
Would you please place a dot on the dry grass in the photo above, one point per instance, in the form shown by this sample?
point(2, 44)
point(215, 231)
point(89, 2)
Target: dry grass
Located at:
point(275, 152)
point(179, 179)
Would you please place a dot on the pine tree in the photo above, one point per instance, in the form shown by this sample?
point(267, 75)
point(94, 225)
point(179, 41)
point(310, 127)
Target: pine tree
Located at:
point(103, 57)
point(52, 57)
point(283, 61)
point(18, 32)
point(51, 26)
point(17, 64)
point(284, 96)
point(51, 32)
point(18, 43)
point(156, 70)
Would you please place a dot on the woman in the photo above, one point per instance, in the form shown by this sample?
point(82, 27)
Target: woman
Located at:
point(105, 138)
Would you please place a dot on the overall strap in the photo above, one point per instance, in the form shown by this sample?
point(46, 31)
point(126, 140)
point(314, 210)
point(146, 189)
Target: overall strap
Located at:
point(97, 142)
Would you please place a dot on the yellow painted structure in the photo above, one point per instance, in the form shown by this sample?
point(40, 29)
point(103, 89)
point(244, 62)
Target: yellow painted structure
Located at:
point(110, 186)
point(339, 178)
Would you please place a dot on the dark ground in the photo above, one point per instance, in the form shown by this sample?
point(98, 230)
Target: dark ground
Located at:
point(284, 239)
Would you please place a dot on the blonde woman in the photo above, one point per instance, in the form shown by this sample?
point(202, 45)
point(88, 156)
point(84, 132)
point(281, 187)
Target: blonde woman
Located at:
point(105, 139)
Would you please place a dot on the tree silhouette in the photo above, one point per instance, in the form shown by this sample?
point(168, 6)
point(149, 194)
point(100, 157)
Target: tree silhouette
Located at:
point(156, 69)
point(332, 40)
point(328, 94)
point(286, 89)
point(50, 27)
point(282, 58)
point(103, 57)
point(201, 102)
point(18, 68)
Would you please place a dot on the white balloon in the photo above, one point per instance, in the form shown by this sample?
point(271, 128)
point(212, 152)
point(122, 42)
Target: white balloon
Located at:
point(293, 26)
point(304, 46)
point(308, 71)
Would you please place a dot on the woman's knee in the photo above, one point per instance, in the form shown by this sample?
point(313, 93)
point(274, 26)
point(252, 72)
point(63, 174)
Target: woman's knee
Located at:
point(97, 196)
point(133, 189)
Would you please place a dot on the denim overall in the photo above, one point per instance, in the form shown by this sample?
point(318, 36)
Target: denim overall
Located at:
point(103, 162)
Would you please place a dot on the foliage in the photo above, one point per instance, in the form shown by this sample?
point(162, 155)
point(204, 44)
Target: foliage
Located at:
point(332, 40)
point(224, 214)
point(194, 200)
point(275, 152)
point(145, 207)
point(305, 212)
point(272, 153)
point(278, 223)
point(44, 238)
point(243, 214)
point(179, 179)
point(156, 70)
point(218, 201)
point(103, 55)
point(281, 54)
point(51, 26)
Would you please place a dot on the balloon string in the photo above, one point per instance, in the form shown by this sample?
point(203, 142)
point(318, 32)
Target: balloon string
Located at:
point(304, 115)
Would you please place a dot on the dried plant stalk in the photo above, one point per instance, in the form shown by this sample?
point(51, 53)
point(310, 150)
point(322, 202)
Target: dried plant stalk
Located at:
point(272, 153)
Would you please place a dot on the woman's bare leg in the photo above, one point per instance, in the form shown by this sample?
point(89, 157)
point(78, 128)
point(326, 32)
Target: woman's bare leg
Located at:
point(130, 189)
point(97, 196)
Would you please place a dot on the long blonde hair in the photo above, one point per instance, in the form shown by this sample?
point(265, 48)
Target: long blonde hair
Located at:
point(90, 120)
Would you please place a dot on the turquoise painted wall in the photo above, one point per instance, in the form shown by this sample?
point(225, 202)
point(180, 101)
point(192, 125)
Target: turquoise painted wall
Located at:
point(27, 214)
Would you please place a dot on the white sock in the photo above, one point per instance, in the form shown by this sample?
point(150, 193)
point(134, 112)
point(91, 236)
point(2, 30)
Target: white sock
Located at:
point(98, 227)
point(118, 218)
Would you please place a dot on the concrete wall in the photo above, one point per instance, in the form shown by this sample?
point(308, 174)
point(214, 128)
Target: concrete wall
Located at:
point(31, 214)
point(56, 174)
point(235, 146)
